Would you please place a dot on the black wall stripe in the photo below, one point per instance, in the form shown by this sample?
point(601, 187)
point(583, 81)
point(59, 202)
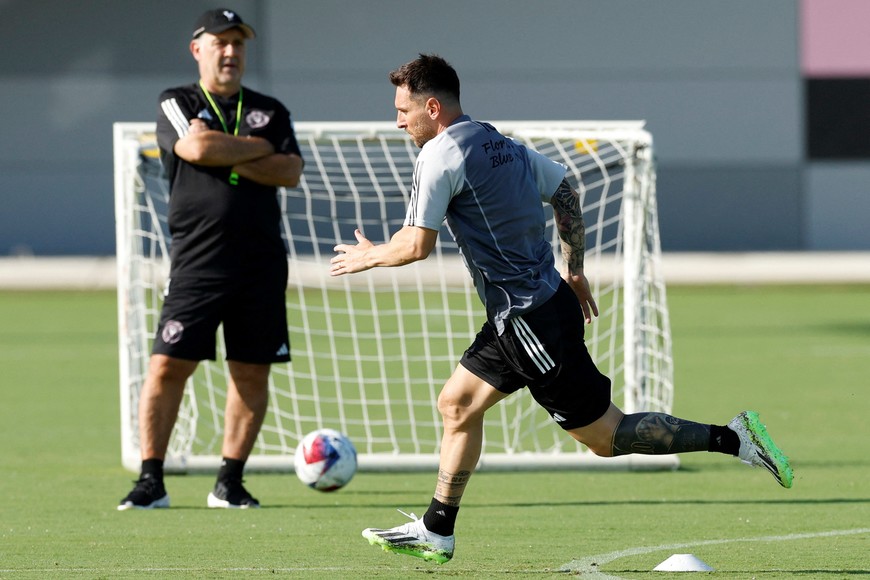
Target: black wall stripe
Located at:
point(838, 118)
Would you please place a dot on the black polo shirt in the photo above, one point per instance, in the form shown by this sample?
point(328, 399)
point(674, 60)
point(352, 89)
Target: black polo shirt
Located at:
point(219, 229)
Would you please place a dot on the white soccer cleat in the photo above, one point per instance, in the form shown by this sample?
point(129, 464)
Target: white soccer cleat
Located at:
point(412, 539)
point(758, 449)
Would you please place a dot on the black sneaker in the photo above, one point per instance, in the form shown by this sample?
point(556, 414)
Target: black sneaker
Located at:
point(148, 493)
point(231, 494)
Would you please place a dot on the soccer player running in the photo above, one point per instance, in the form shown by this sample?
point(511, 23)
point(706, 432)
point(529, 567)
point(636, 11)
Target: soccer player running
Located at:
point(225, 149)
point(490, 189)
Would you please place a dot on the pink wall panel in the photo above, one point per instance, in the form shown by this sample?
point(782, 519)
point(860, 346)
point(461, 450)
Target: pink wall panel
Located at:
point(835, 38)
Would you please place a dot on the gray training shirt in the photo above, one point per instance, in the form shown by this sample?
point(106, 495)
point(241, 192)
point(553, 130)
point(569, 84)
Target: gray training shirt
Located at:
point(490, 188)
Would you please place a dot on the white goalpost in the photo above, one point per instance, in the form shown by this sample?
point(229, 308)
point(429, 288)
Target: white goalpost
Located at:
point(371, 351)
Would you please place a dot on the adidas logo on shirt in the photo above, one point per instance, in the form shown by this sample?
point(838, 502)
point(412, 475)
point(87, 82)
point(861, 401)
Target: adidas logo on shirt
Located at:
point(558, 418)
point(283, 350)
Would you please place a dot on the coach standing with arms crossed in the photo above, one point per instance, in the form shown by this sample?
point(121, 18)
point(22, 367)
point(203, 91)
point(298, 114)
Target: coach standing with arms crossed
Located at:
point(225, 149)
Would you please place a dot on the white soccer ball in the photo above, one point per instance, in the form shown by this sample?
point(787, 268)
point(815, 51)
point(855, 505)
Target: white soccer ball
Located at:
point(325, 460)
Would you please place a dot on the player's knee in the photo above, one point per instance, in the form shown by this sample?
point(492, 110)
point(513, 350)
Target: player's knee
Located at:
point(455, 409)
point(598, 444)
point(601, 448)
point(169, 372)
point(598, 436)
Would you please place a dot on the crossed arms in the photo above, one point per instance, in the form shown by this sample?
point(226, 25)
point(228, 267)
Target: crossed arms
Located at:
point(253, 158)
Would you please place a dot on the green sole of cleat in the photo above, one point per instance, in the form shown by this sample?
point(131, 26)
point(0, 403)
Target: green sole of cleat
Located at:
point(428, 556)
point(784, 472)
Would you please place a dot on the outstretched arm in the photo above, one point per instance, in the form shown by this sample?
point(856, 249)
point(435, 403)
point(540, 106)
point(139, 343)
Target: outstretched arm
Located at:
point(572, 236)
point(409, 244)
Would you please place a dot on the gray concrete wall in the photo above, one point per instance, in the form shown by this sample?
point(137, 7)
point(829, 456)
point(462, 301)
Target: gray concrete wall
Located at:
point(717, 82)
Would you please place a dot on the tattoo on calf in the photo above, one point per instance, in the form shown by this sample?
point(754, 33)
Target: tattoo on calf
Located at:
point(451, 486)
point(659, 434)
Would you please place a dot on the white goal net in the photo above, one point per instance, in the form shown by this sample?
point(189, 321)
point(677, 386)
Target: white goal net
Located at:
point(371, 351)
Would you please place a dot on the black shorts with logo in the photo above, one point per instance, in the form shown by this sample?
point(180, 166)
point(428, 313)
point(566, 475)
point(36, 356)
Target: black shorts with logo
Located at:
point(253, 312)
point(544, 350)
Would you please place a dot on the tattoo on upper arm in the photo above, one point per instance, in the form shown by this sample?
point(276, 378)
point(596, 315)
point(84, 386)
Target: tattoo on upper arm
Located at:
point(570, 225)
point(659, 434)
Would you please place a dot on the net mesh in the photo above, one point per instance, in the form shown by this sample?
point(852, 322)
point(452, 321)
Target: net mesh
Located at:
point(371, 351)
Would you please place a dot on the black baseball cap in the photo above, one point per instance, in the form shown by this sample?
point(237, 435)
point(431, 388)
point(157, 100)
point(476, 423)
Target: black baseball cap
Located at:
point(219, 20)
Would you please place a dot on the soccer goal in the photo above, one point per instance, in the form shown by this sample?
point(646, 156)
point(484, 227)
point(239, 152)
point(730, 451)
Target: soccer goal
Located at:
point(371, 351)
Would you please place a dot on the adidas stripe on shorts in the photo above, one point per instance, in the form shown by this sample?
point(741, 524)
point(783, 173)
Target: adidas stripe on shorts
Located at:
point(544, 350)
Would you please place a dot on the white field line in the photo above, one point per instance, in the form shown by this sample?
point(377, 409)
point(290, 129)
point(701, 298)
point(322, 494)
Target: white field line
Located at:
point(589, 566)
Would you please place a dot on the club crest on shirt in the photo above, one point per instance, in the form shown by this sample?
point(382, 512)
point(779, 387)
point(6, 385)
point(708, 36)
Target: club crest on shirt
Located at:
point(256, 119)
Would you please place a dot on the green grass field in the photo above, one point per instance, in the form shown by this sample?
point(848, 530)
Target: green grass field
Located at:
point(799, 355)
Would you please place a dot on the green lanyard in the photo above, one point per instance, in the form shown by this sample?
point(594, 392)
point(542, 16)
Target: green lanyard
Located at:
point(234, 177)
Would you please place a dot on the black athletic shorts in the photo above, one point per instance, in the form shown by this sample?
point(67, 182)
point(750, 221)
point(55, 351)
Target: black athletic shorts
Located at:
point(544, 350)
point(253, 311)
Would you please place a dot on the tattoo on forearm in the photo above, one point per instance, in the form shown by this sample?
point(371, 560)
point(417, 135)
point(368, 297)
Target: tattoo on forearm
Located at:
point(659, 434)
point(570, 224)
point(451, 486)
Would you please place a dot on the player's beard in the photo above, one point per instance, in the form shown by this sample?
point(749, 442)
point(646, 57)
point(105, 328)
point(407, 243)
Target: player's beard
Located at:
point(421, 133)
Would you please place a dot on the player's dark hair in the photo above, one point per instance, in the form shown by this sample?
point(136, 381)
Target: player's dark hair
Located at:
point(428, 74)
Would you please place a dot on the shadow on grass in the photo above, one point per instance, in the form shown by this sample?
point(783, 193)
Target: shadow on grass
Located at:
point(572, 503)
